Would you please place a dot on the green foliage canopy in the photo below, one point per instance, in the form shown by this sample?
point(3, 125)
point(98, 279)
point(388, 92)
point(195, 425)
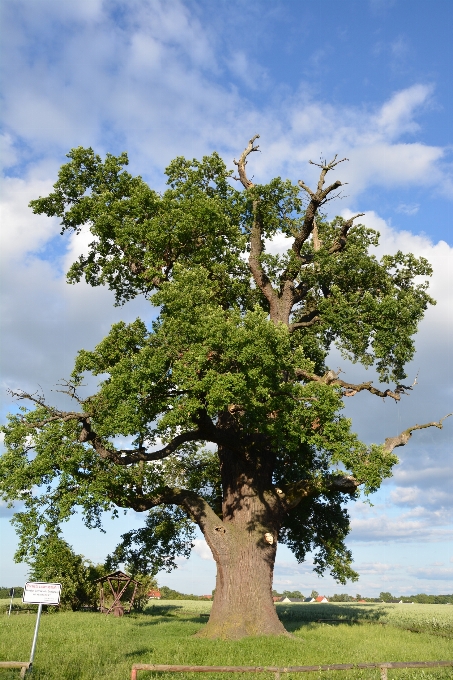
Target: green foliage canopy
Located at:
point(228, 362)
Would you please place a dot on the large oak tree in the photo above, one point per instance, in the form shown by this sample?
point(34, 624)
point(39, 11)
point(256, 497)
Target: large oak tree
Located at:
point(233, 417)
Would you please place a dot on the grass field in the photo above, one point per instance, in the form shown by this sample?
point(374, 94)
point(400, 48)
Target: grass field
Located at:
point(85, 646)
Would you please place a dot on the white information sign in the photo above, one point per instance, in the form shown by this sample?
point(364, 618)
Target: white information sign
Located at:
point(42, 593)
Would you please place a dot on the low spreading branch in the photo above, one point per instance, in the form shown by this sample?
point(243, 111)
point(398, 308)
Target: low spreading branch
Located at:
point(291, 495)
point(196, 507)
point(130, 456)
point(206, 431)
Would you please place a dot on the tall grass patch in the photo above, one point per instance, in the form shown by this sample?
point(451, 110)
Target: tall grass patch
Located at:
point(89, 646)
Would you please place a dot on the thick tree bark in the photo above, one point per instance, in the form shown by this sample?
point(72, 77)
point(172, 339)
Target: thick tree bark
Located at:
point(243, 602)
point(244, 546)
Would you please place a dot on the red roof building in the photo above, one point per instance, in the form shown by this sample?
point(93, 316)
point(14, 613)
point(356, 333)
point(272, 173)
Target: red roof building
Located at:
point(154, 595)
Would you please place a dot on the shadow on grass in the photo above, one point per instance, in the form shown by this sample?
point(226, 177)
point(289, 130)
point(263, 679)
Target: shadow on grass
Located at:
point(162, 610)
point(331, 614)
point(198, 620)
point(139, 652)
point(167, 613)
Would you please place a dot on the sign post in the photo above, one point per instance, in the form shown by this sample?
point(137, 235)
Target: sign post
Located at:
point(40, 593)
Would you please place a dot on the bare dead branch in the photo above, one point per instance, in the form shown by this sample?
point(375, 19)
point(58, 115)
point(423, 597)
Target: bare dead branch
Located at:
point(340, 241)
point(349, 389)
point(317, 199)
point(402, 439)
point(242, 162)
point(55, 414)
point(256, 243)
point(306, 188)
point(316, 242)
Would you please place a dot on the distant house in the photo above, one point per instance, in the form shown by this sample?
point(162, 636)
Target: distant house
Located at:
point(277, 599)
point(361, 601)
point(309, 599)
point(293, 600)
point(205, 597)
point(154, 595)
point(321, 598)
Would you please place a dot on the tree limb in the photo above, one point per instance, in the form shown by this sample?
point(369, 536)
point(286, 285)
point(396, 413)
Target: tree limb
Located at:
point(316, 242)
point(129, 456)
point(256, 248)
point(317, 199)
point(292, 494)
point(306, 321)
point(208, 432)
point(62, 416)
point(402, 439)
point(196, 508)
point(350, 389)
point(256, 242)
point(242, 162)
point(340, 241)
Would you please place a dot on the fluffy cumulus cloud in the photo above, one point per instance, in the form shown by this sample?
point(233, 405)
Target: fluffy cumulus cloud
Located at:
point(202, 549)
point(417, 524)
point(435, 573)
point(155, 81)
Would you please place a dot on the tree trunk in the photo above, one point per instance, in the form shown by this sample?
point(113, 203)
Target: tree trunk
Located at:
point(244, 546)
point(243, 602)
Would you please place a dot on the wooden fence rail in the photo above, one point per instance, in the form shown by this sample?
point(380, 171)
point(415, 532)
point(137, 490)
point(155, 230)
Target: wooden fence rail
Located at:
point(23, 665)
point(277, 671)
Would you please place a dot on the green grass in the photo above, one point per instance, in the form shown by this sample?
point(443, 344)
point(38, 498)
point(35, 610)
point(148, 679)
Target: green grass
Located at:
point(86, 646)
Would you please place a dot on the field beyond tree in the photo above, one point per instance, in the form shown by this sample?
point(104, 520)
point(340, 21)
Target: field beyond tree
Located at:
point(83, 646)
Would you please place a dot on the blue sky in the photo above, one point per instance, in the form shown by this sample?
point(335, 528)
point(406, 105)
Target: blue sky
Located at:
point(367, 79)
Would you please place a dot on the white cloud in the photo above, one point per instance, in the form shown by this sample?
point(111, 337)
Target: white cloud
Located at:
point(405, 496)
point(436, 574)
point(253, 76)
point(202, 549)
point(407, 209)
point(154, 87)
point(8, 154)
point(22, 231)
point(396, 116)
point(366, 568)
point(417, 524)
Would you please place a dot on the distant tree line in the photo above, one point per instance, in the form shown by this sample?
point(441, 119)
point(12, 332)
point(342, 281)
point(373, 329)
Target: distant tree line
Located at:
point(421, 598)
point(77, 575)
point(167, 593)
point(5, 592)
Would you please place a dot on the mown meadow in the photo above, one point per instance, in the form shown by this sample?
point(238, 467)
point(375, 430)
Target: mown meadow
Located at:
point(89, 645)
